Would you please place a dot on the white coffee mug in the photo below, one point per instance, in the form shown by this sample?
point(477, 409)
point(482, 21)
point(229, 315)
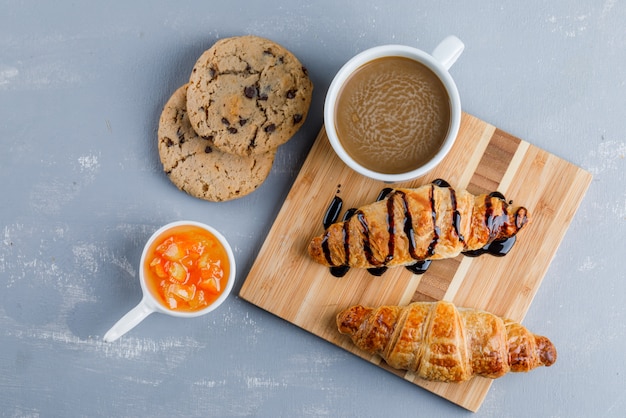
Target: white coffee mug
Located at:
point(439, 62)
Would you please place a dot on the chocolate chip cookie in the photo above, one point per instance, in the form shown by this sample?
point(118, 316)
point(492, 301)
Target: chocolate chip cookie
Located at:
point(195, 165)
point(248, 95)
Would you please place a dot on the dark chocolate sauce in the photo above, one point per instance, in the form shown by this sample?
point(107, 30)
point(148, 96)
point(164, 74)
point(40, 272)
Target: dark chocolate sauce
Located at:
point(384, 193)
point(502, 247)
point(456, 216)
point(498, 195)
point(367, 249)
point(330, 217)
point(349, 214)
point(489, 214)
point(436, 230)
point(408, 226)
point(440, 183)
point(377, 271)
point(325, 249)
point(495, 223)
point(391, 229)
point(497, 248)
point(333, 211)
point(346, 242)
point(420, 267)
point(339, 271)
point(521, 217)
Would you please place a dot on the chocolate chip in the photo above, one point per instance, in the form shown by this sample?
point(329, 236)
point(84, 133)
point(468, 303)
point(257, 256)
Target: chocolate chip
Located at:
point(297, 118)
point(208, 138)
point(305, 71)
point(249, 92)
point(181, 135)
point(180, 114)
point(208, 150)
point(212, 72)
point(243, 122)
point(225, 122)
point(264, 91)
point(291, 93)
point(169, 142)
point(270, 128)
point(232, 130)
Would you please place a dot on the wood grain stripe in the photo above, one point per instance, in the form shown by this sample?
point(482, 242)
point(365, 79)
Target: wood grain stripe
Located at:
point(457, 280)
point(494, 163)
point(499, 156)
point(514, 166)
point(436, 280)
point(483, 138)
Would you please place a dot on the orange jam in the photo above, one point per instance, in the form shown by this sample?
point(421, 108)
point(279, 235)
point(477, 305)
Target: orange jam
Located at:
point(186, 268)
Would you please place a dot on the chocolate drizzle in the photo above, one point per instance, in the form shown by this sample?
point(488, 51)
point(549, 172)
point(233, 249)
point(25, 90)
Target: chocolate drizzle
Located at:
point(349, 214)
point(377, 271)
point(495, 223)
point(397, 197)
point(391, 224)
point(436, 230)
point(497, 248)
point(326, 249)
point(340, 271)
point(409, 232)
point(456, 216)
point(521, 217)
point(366, 240)
point(441, 183)
point(384, 193)
point(333, 211)
point(489, 214)
point(497, 195)
point(420, 267)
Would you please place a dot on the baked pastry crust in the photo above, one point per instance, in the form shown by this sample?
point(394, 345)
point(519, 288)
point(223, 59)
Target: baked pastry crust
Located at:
point(410, 225)
point(440, 342)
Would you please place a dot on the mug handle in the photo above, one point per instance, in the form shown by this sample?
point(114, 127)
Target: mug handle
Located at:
point(448, 51)
point(129, 321)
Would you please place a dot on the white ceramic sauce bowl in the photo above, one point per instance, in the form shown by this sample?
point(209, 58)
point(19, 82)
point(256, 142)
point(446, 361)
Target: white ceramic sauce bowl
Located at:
point(149, 302)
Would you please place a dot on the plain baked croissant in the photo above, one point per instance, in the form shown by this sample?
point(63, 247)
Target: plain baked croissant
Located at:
point(411, 225)
point(440, 342)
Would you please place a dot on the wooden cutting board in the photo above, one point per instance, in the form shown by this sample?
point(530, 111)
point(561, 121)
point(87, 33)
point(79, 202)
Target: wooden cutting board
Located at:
point(284, 281)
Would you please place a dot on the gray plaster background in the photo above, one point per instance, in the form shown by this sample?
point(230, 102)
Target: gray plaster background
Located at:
point(81, 89)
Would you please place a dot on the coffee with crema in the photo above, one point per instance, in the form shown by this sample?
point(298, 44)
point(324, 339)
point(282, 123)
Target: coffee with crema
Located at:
point(392, 115)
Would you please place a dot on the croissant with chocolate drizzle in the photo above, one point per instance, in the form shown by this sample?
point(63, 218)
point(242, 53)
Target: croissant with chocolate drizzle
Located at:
point(408, 226)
